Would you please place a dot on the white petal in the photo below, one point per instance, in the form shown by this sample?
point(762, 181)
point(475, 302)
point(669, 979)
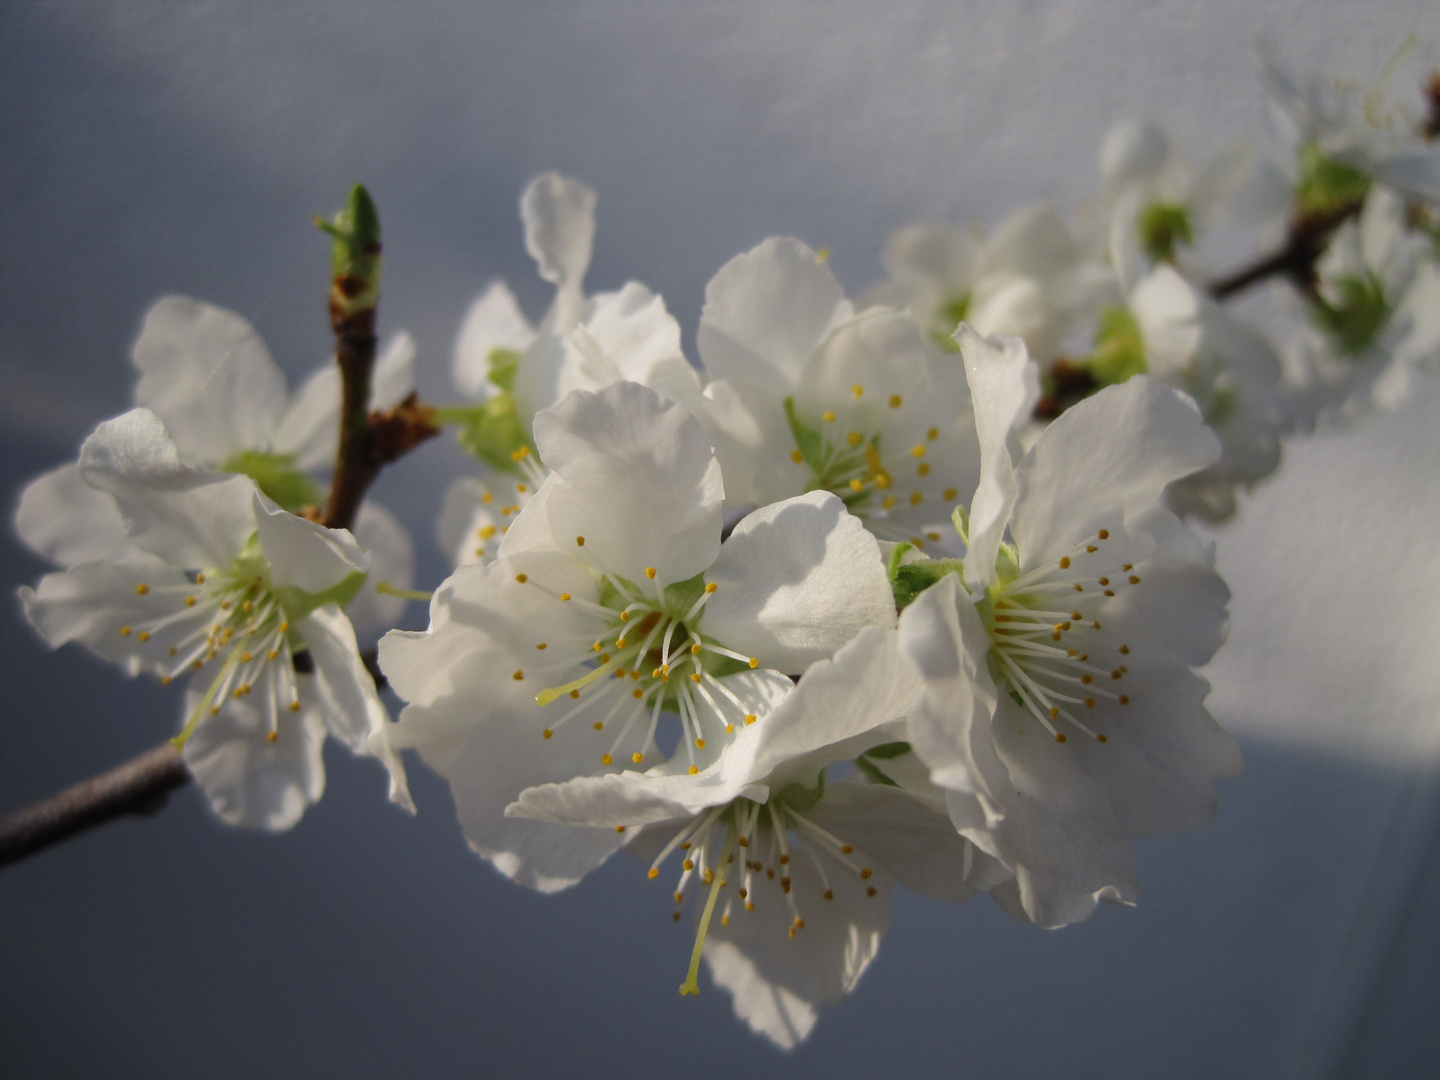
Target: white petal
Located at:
point(910, 837)
point(393, 379)
point(641, 484)
point(765, 312)
point(92, 602)
point(1112, 452)
point(494, 321)
point(311, 425)
point(1168, 311)
point(503, 756)
point(943, 637)
point(1004, 386)
point(346, 697)
point(303, 554)
point(249, 780)
point(559, 217)
point(795, 581)
point(189, 518)
point(392, 561)
point(68, 522)
point(1132, 150)
point(464, 516)
point(938, 256)
point(778, 981)
point(206, 373)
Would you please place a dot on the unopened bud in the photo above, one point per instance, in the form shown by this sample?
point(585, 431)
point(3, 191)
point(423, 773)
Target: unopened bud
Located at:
point(355, 257)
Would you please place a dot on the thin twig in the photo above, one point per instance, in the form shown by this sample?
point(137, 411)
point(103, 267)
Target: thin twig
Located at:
point(140, 786)
point(1307, 240)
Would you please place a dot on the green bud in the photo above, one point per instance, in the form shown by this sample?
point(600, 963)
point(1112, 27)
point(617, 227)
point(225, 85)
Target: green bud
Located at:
point(1162, 228)
point(1327, 187)
point(492, 431)
point(355, 255)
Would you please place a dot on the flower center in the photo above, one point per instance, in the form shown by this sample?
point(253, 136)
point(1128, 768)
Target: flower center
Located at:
point(1049, 650)
point(641, 656)
point(877, 478)
point(232, 618)
point(760, 834)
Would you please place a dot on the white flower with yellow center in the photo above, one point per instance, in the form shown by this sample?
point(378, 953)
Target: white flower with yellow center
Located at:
point(212, 581)
point(515, 370)
point(792, 875)
point(614, 606)
point(806, 395)
point(1062, 710)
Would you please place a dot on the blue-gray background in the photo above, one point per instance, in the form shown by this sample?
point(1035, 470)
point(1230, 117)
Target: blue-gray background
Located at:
point(168, 146)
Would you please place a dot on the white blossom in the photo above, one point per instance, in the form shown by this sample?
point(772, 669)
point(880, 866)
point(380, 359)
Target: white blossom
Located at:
point(210, 579)
point(1062, 710)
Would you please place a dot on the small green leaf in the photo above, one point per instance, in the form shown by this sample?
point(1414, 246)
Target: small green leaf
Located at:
point(277, 477)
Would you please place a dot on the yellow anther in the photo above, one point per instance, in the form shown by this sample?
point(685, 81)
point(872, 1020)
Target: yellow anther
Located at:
point(284, 626)
point(916, 498)
point(694, 649)
point(1109, 592)
point(711, 587)
point(888, 502)
point(199, 579)
point(144, 635)
point(949, 494)
point(1104, 534)
point(749, 905)
point(1091, 548)
point(248, 606)
point(1104, 581)
point(856, 484)
point(918, 450)
point(923, 469)
point(637, 757)
point(933, 434)
point(894, 401)
point(294, 706)
point(487, 498)
point(1124, 650)
point(189, 601)
point(606, 759)
point(1089, 703)
point(598, 725)
point(521, 578)
point(272, 654)
point(575, 694)
point(1133, 580)
point(619, 828)
point(828, 417)
point(822, 255)
point(650, 572)
point(799, 923)
point(729, 728)
point(620, 643)
point(1127, 567)
point(485, 532)
point(857, 390)
point(521, 489)
point(245, 658)
point(199, 664)
point(846, 849)
point(1054, 712)
point(750, 718)
point(854, 438)
point(784, 860)
point(518, 676)
point(1065, 562)
point(174, 649)
point(637, 693)
point(828, 894)
point(543, 646)
point(1124, 699)
point(870, 891)
point(1101, 738)
point(141, 589)
point(520, 454)
point(785, 886)
point(700, 743)
point(1078, 587)
point(695, 678)
point(124, 631)
point(547, 733)
point(654, 873)
point(688, 864)
point(796, 456)
point(754, 662)
point(1087, 679)
point(934, 537)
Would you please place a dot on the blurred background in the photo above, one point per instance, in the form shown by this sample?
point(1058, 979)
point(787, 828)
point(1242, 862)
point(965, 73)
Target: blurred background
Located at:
point(162, 146)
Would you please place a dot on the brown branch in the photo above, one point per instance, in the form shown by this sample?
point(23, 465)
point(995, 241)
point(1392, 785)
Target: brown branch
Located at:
point(140, 786)
point(1308, 237)
point(356, 465)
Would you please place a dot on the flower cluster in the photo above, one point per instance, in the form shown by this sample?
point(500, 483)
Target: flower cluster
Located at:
point(877, 592)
